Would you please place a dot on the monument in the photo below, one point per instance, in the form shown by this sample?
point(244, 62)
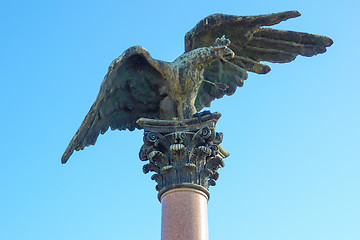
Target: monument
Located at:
point(165, 99)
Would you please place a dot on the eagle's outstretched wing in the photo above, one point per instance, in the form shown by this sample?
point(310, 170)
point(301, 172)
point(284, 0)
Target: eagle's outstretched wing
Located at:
point(130, 90)
point(251, 44)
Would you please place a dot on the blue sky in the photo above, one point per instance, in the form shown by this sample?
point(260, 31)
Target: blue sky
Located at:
point(293, 133)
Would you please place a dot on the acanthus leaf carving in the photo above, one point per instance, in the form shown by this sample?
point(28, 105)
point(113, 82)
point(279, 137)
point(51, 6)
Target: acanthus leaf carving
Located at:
point(183, 151)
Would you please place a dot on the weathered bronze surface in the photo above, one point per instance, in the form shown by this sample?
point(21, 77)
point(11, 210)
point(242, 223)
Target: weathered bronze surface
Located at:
point(183, 153)
point(137, 85)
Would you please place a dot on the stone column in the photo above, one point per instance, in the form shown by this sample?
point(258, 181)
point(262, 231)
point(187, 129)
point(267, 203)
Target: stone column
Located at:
point(184, 214)
point(185, 156)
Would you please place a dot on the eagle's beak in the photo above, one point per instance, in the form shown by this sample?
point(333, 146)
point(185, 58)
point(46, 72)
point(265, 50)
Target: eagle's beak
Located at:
point(228, 53)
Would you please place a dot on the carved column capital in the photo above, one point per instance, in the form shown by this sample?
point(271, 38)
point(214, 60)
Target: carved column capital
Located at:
point(182, 153)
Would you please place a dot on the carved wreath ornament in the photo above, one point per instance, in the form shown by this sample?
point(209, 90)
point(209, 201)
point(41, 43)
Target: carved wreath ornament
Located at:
point(188, 154)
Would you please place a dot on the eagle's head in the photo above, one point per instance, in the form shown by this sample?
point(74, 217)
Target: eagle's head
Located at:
point(222, 52)
point(221, 49)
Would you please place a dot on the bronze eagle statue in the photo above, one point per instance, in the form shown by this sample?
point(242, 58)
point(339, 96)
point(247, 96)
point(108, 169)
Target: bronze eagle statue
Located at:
point(137, 85)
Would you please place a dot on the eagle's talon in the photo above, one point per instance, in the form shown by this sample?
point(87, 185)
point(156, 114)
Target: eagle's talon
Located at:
point(200, 114)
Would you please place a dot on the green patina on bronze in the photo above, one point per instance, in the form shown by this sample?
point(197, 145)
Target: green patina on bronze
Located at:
point(183, 153)
point(138, 86)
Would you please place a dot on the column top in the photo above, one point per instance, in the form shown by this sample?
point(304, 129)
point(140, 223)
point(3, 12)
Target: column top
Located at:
point(179, 125)
point(183, 153)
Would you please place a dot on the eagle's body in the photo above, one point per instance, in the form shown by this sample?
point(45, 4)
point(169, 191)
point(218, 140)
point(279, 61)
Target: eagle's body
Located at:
point(183, 81)
point(137, 85)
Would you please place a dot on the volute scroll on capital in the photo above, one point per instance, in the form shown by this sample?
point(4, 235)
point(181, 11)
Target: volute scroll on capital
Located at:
point(183, 153)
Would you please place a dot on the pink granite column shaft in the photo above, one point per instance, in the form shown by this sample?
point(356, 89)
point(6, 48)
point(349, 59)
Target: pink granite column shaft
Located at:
point(184, 215)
